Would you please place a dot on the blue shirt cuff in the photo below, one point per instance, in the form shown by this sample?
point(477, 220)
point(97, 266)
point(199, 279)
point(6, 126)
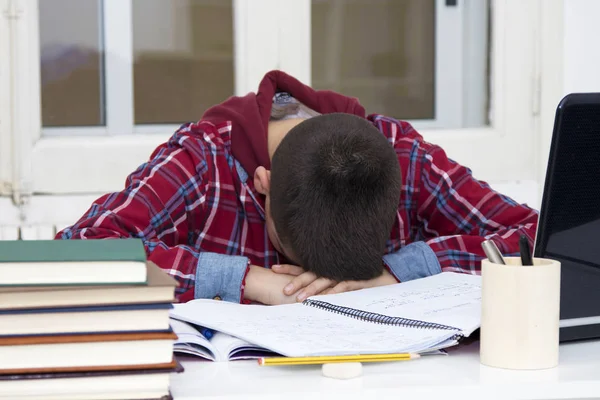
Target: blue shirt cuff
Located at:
point(220, 275)
point(413, 261)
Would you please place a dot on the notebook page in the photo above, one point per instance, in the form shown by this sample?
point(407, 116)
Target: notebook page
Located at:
point(228, 344)
point(218, 348)
point(298, 330)
point(190, 341)
point(447, 298)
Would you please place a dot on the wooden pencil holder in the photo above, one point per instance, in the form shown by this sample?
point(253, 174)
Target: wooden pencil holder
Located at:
point(520, 314)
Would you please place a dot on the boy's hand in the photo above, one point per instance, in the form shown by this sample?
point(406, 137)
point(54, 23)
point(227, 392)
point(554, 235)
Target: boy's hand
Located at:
point(266, 287)
point(303, 284)
point(306, 284)
point(347, 286)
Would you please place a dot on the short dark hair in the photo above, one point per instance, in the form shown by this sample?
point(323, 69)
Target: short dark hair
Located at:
point(335, 189)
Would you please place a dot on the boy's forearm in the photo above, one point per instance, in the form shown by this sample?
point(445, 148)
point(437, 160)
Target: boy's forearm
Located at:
point(266, 287)
point(251, 289)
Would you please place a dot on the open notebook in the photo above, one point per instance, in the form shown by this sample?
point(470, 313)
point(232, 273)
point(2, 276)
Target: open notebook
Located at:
point(220, 347)
point(416, 316)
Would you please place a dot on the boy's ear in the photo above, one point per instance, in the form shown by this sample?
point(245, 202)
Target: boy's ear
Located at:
point(262, 180)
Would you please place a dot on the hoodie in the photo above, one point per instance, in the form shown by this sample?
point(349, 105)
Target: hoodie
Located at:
point(250, 114)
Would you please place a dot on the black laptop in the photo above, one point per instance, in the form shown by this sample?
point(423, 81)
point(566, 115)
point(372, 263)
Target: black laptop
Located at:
point(569, 225)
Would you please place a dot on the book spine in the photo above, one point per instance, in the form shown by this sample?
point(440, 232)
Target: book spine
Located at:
point(376, 318)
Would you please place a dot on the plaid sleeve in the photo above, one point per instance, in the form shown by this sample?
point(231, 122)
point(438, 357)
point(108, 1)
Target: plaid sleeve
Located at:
point(458, 213)
point(160, 201)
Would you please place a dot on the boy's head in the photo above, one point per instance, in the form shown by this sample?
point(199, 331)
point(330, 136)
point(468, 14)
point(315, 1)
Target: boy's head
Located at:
point(332, 196)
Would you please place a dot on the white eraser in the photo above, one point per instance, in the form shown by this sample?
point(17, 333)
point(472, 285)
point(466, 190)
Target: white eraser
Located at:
point(342, 370)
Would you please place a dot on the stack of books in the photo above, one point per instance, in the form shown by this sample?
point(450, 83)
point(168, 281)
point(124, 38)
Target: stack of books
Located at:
point(84, 319)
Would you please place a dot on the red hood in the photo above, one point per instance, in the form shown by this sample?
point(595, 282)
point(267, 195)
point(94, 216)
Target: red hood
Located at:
point(250, 115)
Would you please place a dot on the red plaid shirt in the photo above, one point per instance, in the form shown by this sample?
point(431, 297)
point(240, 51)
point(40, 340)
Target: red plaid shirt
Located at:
point(192, 196)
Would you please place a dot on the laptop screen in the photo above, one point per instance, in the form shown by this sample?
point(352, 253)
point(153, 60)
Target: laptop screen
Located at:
point(569, 225)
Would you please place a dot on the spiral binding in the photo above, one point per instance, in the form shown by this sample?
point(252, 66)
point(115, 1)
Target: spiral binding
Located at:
point(378, 318)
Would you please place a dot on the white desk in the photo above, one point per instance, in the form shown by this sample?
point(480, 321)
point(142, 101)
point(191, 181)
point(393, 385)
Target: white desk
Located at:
point(458, 375)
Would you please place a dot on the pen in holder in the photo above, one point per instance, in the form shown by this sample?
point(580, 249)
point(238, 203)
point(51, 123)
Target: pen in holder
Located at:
point(520, 314)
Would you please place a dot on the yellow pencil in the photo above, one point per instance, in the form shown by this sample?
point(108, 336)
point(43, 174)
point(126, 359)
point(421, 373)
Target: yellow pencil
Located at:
point(363, 358)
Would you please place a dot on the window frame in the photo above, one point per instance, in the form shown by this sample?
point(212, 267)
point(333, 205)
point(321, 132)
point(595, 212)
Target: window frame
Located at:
point(514, 94)
point(79, 164)
point(514, 99)
point(6, 177)
point(22, 114)
point(509, 142)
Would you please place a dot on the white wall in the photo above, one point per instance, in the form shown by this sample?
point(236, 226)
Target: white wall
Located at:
point(570, 61)
point(581, 49)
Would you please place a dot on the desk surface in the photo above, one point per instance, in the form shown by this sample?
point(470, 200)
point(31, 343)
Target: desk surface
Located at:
point(458, 375)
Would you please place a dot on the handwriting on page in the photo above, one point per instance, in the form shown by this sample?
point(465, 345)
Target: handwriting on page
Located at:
point(299, 330)
point(448, 298)
point(455, 290)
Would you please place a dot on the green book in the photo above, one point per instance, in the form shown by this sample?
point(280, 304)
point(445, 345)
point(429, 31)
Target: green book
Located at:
point(72, 262)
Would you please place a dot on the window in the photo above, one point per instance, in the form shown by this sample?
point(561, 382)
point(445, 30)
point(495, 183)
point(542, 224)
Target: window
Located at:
point(418, 60)
point(92, 96)
point(381, 52)
point(183, 58)
point(121, 65)
point(72, 63)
